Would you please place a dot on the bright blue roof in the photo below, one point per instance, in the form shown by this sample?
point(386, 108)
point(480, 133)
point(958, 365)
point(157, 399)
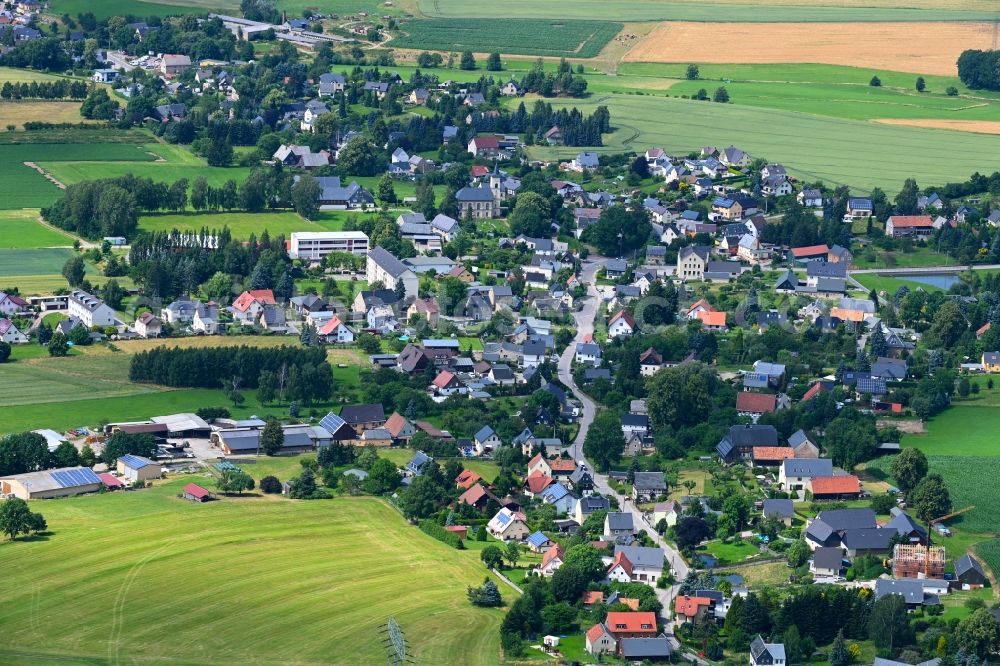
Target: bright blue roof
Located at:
point(135, 462)
point(332, 422)
point(538, 539)
point(503, 517)
point(555, 492)
point(484, 433)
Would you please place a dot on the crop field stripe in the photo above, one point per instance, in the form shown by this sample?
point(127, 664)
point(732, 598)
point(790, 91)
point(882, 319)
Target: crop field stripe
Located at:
point(735, 12)
point(581, 39)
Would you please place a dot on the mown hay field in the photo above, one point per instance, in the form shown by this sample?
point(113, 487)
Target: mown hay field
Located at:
point(923, 48)
point(261, 579)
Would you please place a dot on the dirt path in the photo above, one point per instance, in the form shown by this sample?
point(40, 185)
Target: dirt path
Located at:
point(49, 177)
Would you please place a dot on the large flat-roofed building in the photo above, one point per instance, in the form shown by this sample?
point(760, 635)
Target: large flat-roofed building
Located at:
point(314, 245)
point(63, 482)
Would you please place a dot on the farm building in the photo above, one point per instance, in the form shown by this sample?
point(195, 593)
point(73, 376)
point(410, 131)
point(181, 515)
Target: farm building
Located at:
point(63, 482)
point(969, 572)
point(195, 493)
point(137, 468)
point(297, 438)
point(110, 481)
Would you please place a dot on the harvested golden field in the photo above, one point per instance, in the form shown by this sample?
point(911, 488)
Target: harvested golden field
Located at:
point(978, 126)
point(18, 113)
point(924, 48)
point(136, 346)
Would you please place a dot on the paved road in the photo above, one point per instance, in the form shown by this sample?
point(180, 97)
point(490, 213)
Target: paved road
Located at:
point(585, 327)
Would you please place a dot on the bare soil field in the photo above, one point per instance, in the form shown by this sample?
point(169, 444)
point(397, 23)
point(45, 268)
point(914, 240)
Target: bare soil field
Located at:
point(924, 48)
point(908, 426)
point(978, 126)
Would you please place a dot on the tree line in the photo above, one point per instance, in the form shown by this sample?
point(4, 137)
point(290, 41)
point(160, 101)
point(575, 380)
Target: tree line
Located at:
point(302, 371)
point(43, 90)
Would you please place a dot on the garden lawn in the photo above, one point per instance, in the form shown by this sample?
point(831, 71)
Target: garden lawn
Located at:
point(252, 580)
point(732, 553)
point(21, 229)
point(839, 151)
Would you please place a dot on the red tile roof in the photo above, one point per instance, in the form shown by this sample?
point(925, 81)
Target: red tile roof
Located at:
point(630, 602)
point(479, 171)
point(562, 465)
point(395, 424)
point(621, 560)
point(537, 482)
point(712, 318)
point(195, 490)
point(248, 298)
point(631, 622)
point(473, 495)
point(466, 478)
point(815, 390)
point(773, 452)
point(444, 379)
point(755, 403)
point(329, 327)
point(810, 250)
point(554, 552)
point(486, 142)
point(835, 485)
point(626, 317)
point(592, 597)
point(596, 631)
point(982, 330)
point(911, 221)
point(688, 606)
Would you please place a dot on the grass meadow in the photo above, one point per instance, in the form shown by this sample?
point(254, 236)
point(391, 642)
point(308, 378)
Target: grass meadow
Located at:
point(834, 150)
point(145, 574)
point(966, 429)
point(21, 229)
point(241, 224)
point(17, 113)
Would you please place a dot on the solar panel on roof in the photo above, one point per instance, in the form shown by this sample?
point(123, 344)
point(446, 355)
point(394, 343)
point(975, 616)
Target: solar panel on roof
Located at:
point(332, 422)
point(69, 478)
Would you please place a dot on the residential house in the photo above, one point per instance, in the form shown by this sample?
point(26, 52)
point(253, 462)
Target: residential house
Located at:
point(741, 439)
point(691, 609)
point(840, 486)
point(89, 310)
point(383, 267)
point(588, 505)
point(11, 304)
point(771, 456)
point(859, 207)
point(795, 473)
point(755, 405)
point(618, 524)
point(486, 439)
point(585, 161)
point(802, 446)
point(363, 417)
point(692, 261)
point(781, 510)
point(171, 65)
point(10, 334)
point(552, 559)
point(648, 486)
point(621, 325)
point(766, 654)
point(558, 496)
point(148, 325)
point(589, 353)
point(508, 525)
point(643, 565)
point(827, 562)
point(913, 591)
point(650, 361)
point(810, 198)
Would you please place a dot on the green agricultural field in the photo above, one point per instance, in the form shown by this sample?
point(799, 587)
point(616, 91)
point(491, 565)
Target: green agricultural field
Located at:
point(21, 229)
point(989, 552)
point(890, 284)
point(713, 12)
point(18, 75)
point(966, 478)
point(241, 225)
point(53, 380)
point(252, 580)
point(838, 151)
point(962, 430)
point(581, 39)
point(33, 262)
point(25, 187)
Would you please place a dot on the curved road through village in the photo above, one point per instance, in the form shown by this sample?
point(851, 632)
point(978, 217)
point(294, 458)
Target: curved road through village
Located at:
point(585, 327)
